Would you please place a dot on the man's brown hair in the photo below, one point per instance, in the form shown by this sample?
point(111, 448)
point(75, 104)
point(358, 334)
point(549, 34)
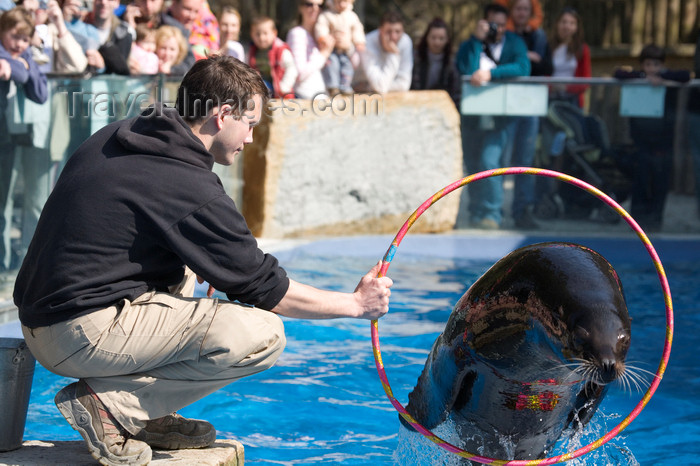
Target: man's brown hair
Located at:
point(218, 80)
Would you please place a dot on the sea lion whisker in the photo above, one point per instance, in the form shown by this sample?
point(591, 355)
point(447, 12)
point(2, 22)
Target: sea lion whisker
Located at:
point(637, 369)
point(628, 382)
point(580, 361)
point(571, 375)
point(575, 367)
point(637, 375)
point(624, 383)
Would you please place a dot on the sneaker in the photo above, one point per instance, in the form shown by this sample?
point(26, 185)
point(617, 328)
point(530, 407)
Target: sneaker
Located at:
point(108, 442)
point(486, 224)
point(174, 432)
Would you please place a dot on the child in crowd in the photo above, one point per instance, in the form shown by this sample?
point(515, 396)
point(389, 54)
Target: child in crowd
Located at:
point(272, 57)
point(343, 24)
point(142, 57)
point(229, 32)
point(653, 138)
point(171, 48)
point(18, 67)
point(204, 33)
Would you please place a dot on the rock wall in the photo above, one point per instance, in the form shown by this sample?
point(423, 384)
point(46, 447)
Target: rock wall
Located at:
point(357, 164)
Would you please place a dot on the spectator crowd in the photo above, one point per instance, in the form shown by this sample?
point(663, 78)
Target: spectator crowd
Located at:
point(328, 52)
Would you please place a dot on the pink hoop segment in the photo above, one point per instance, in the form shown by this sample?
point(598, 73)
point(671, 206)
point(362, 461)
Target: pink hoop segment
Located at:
point(647, 244)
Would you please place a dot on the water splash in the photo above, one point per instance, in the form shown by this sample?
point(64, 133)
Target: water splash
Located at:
point(414, 448)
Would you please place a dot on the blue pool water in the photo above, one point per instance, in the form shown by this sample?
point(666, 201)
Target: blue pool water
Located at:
point(323, 403)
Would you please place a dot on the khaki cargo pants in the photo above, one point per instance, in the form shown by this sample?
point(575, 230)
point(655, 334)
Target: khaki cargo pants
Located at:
point(161, 352)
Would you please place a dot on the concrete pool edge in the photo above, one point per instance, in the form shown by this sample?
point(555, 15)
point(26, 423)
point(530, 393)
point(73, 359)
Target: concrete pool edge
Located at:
point(224, 452)
point(470, 245)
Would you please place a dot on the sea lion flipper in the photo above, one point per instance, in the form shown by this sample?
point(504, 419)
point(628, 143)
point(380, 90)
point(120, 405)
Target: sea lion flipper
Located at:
point(587, 402)
point(425, 405)
point(430, 404)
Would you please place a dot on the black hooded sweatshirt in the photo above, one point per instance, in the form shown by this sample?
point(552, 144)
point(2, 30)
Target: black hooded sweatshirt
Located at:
point(134, 204)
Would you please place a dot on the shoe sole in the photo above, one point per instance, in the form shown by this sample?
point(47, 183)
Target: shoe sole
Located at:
point(69, 406)
point(175, 441)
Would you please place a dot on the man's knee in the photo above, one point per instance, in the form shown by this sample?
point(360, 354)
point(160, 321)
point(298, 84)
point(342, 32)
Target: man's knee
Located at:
point(244, 338)
point(277, 341)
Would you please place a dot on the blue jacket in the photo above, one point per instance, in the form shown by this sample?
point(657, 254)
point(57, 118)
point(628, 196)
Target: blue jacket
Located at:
point(32, 80)
point(513, 62)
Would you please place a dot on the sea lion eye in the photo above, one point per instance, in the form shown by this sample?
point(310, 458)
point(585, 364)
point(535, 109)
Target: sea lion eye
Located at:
point(580, 335)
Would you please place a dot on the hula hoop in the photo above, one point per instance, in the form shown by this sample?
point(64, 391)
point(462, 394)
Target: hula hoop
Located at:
point(647, 244)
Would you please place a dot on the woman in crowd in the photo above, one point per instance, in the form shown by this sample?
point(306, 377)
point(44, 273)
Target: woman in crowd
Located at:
point(571, 57)
point(171, 48)
point(308, 58)
point(229, 33)
point(18, 67)
point(521, 14)
point(53, 46)
point(54, 50)
point(433, 67)
point(526, 128)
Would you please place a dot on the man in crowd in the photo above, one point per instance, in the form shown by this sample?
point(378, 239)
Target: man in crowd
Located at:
point(182, 14)
point(105, 292)
point(115, 36)
point(491, 53)
point(146, 12)
point(387, 62)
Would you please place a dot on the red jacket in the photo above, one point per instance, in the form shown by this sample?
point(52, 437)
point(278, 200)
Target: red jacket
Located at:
point(276, 69)
point(583, 70)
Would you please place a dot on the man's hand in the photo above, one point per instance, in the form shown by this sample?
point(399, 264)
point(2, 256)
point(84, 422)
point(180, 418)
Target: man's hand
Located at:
point(388, 45)
point(95, 59)
point(655, 79)
point(534, 57)
point(5, 70)
point(55, 15)
point(372, 294)
point(131, 13)
point(480, 77)
point(71, 9)
point(370, 300)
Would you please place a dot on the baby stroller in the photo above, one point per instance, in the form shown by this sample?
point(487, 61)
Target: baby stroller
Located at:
point(578, 145)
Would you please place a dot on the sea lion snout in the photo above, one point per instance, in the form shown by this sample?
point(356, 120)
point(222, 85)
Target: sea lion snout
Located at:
point(603, 345)
point(608, 370)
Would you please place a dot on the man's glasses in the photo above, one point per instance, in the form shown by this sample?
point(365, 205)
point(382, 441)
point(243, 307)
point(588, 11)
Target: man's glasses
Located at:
point(312, 4)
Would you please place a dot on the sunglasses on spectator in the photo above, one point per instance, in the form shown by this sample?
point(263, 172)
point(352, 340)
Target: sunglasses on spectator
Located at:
point(312, 4)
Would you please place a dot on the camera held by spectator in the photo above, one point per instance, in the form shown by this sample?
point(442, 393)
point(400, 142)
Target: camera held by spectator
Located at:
point(492, 35)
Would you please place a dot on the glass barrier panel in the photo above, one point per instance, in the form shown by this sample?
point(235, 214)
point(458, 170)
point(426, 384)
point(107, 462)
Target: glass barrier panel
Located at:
point(600, 142)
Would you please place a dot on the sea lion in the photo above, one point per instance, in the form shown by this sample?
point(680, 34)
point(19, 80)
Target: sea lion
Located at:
point(528, 350)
